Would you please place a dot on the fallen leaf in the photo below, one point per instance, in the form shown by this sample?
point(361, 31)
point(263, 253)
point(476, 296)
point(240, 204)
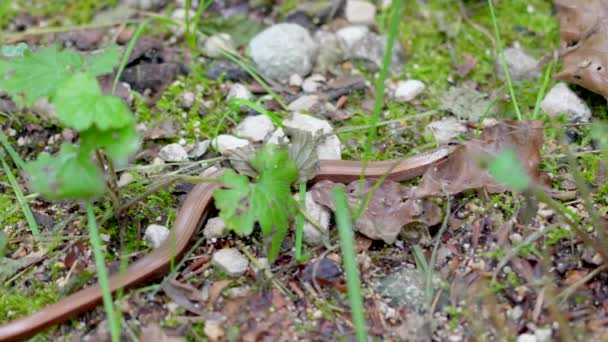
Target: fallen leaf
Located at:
point(178, 295)
point(466, 103)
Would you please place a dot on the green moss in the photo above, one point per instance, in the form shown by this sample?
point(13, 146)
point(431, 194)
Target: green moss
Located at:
point(18, 303)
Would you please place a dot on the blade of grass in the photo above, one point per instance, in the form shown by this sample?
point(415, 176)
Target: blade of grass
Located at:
point(503, 61)
point(25, 208)
point(343, 220)
point(11, 151)
point(300, 223)
point(543, 88)
point(192, 38)
point(102, 273)
point(379, 99)
point(237, 103)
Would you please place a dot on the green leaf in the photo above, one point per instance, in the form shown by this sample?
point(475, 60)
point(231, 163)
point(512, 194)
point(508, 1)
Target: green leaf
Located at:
point(119, 144)
point(69, 175)
point(37, 74)
point(507, 169)
point(13, 50)
point(104, 62)
point(267, 201)
point(80, 104)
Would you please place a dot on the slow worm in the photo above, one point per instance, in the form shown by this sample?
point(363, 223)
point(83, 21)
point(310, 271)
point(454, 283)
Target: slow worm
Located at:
point(193, 213)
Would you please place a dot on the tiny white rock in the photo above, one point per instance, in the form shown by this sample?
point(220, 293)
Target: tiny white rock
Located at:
point(320, 214)
point(255, 128)
point(350, 35)
point(562, 100)
point(408, 90)
point(173, 153)
point(526, 338)
point(304, 103)
point(543, 335)
point(155, 235)
point(199, 149)
point(331, 148)
point(239, 91)
point(295, 80)
point(125, 179)
point(360, 12)
point(230, 261)
point(218, 43)
point(311, 84)
point(226, 142)
point(445, 130)
point(215, 228)
point(187, 99)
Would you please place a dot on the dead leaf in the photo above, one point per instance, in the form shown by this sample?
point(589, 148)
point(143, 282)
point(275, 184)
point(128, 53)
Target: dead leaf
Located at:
point(303, 151)
point(179, 296)
point(463, 170)
point(325, 272)
point(468, 64)
point(153, 332)
point(388, 211)
point(166, 129)
point(466, 103)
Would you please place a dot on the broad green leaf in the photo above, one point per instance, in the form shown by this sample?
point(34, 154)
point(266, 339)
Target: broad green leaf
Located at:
point(69, 175)
point(267, 201)
point(506, 168)
point(119, 144)
point(80, 104)
point(38, 73)
point(104, 62)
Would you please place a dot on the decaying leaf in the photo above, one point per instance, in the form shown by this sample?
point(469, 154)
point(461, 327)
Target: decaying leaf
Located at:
point(463, 169)
point(466, 103)
point(584, 40)
point(388, 213)
point(303, 151)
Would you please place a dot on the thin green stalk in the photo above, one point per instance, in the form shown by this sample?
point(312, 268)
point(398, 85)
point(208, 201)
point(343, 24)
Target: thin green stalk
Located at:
point(300, 223)
point(11, 151)
point(192, 38)
point(543, 88)
point(379, 98)
point(102, 273)
point(257, 107)
point(503, 61)
point(431, 267)
point(343, 220)
point(25, 208)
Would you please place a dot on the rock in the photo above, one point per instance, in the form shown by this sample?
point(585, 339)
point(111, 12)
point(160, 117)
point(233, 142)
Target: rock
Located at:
point(214, 229)
point(231, 71)
point(330, 148)
point(225, 142)
point(360, 12)
point(155, 235)
point(319, 213)
point(213, 330)
point(562, 100)
point(283, 50)
point(304, 103)
point(591, 256)
point(521, 66)
point(445, 130)
point(239, 91)
point(526, 338)
point(406, 288)
point(230, 261)
point(330, 53)
point(295, 80)
point(255, 128)
point(543, 335)
point(313, 83)
point(466, 103)
point(179, 15)
point(199, 149)
point(371, 48)
point(147, 5)
point(125, 179)
point(408, 90)
point(217, 44)
point(187, 99)
point(173, 153)
point(350, 35)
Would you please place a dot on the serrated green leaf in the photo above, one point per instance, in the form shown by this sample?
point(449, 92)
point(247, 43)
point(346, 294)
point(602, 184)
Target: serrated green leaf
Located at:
point(37, 74)
point(80, 105)
point(119, 144)
point(69, 175)
point(267, 201)
point(104, 62)
point(507, 169)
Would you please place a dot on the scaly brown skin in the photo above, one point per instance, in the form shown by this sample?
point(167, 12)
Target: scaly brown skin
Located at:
point(190, 217)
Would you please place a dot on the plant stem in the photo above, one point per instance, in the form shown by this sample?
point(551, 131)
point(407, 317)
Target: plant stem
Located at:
point(27, 212)
point(102, 273)
point(300, 222)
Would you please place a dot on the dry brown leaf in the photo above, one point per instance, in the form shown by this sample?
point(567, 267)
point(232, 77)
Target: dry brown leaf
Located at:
point(584, 38)
point(463, 170)
point(388, 211)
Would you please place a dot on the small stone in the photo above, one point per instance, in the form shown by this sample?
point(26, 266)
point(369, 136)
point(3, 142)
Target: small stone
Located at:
point(320, 214)
point(283, 50)
point(217, 44)
point(295, 80)
point(351, 35)
point(214, 229)
point(371, 48)
point(213, 330)
point(155, 235)
point(591, 256)
point(543, 335)
point(147, 5)
point(187, 99)
point(331, 52)
point(304, 103)
point(125, 179)
point(173, 153)
point(408, 90)
point(521, 66)
point(526, 338)
point(331, 148)
point(562, 100)
point(360, 12)
point(313, 83)
point(516, 313)
point(225, 142)
point(445, 130)
point(263, 265)
point(230, 261)
point(516, 238)
point(255, 128)
point(199, 149)
point(239, 91)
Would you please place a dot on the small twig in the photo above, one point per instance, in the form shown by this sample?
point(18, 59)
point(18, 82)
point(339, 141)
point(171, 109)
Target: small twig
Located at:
point(563, 296)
